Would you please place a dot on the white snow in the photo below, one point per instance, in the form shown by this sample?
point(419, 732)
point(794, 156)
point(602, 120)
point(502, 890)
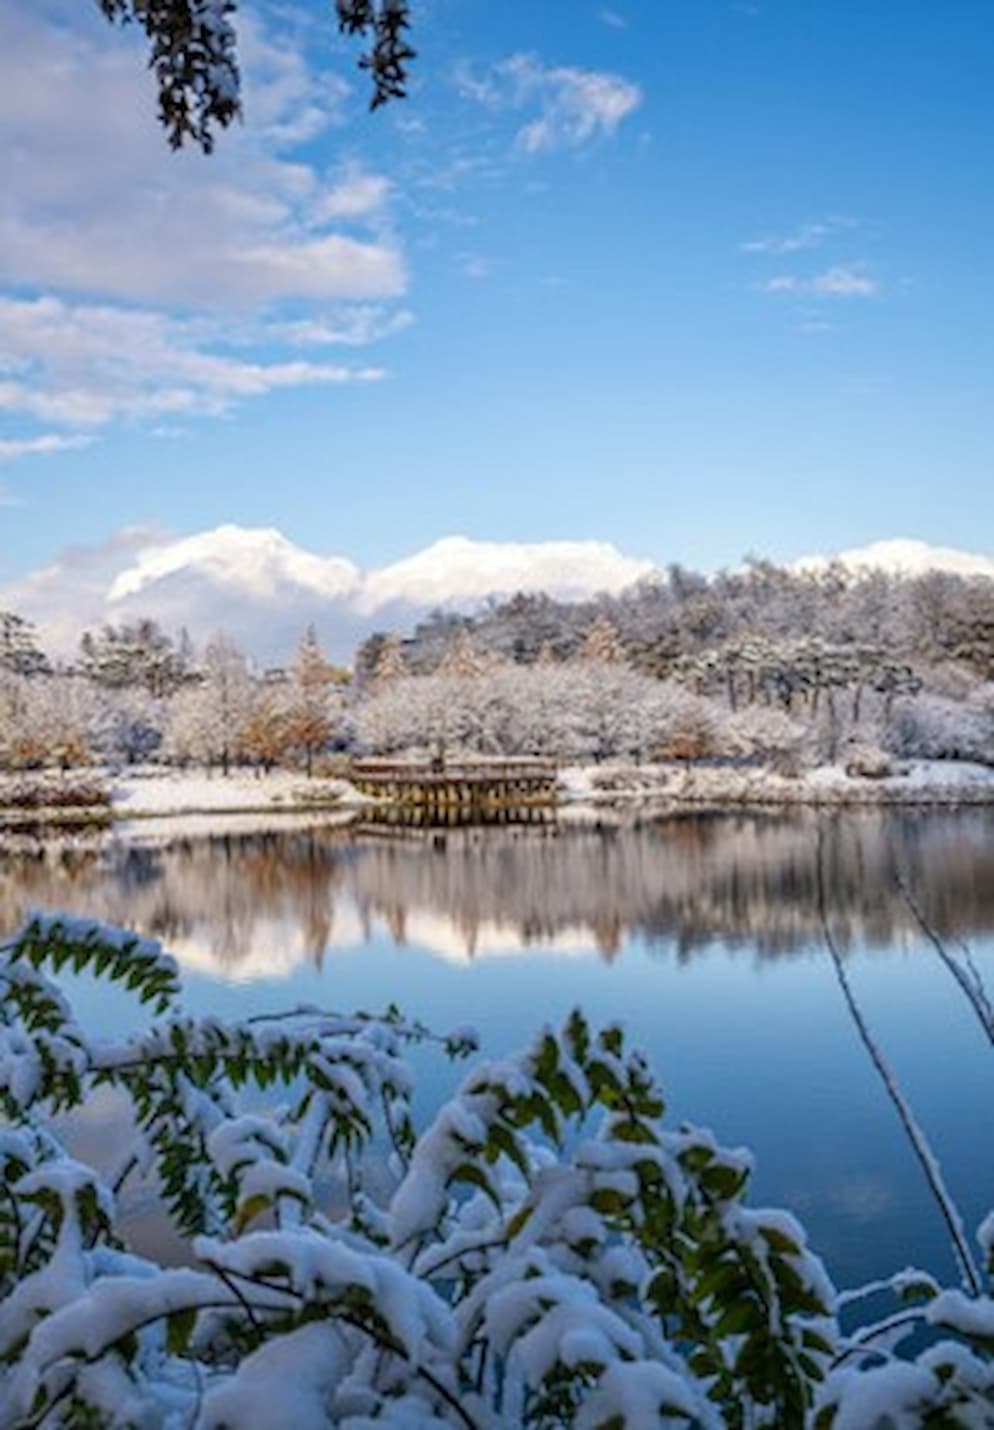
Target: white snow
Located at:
point(915, 782)
point(167, 792)
point(287, 1381)
point(970, 1315)
point(894, 1395)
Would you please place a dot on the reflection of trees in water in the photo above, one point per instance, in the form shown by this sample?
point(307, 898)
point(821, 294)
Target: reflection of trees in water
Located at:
point(218, 890)
point(742, 879)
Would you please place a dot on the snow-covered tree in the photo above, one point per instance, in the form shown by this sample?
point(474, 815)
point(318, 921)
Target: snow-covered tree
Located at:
point(602, 644)
point(550, 1251)
point(20, 653)
point(311, 721)
point(45, 721)
point(769, 734)
point(126, 725)
point(389, 663)
point(935, 728)
point(462, 660)
point(267, 734)
point(136, 653)
point(207, 716)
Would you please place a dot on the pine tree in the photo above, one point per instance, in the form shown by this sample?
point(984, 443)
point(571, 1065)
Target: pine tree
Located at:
point(19, 650)
point(135, 653)
point(389, 663)
point(602, 644)
point(462, 659)
point(310, 718)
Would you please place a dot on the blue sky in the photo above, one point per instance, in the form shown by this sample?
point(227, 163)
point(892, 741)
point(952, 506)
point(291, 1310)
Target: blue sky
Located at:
point(695, 277)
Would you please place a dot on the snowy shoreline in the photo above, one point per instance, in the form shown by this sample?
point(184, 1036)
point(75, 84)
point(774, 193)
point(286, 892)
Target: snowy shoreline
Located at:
point(157, 795)
point(916, 783)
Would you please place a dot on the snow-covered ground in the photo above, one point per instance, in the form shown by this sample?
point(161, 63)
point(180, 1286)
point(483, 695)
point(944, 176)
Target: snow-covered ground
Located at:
point(154, 793)
point(172, 792)
point(914, 782)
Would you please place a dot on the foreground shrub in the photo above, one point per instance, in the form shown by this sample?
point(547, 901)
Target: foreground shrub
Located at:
point(549, 1253)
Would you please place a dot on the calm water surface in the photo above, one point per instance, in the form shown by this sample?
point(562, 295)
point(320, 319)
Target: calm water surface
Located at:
point(701, 933)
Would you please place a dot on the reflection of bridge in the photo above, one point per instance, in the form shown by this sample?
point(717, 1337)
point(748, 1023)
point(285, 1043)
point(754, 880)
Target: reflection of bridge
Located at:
point(465, 784)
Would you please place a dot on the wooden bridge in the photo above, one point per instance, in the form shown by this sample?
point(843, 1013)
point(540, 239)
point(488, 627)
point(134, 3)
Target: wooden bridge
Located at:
point(465, 784)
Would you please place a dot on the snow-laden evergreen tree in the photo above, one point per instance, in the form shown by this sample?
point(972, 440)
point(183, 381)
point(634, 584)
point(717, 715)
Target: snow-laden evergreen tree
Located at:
point(20, 653)
point(550, 1251)
point(135, 653)
point(389, 663)
point(602, 644)
point(462, 660)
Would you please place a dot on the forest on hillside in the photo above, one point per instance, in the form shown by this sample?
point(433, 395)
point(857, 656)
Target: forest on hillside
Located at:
point(791, 669)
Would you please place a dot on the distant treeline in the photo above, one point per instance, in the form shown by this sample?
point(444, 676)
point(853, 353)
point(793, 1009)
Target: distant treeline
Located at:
point(790, 669)
point(662, 620)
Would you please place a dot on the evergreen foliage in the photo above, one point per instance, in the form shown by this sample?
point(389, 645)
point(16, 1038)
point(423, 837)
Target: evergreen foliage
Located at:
point(549, 1252)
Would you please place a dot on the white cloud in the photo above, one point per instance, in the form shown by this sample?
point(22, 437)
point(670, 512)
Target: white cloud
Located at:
point(457, 569)
point(257, 562)
point(357, 195)
point(574, 106)
point(799, 240)
point(91, 199)
point(613, 19)
point(70, 593)
point(12, 449)
point(905, 556)
point(841, 281)
point(174, 283)
point(264, 588)
point(86, 364)
point(354, 326)
point(477, 265)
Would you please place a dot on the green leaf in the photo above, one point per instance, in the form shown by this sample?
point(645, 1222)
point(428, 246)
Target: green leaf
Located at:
point(179, 1329)
point(249, 1209)
point(742, 1317)
point(476, 1177)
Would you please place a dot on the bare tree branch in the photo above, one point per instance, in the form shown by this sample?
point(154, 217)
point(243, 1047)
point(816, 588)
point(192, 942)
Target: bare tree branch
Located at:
point(919, 1143)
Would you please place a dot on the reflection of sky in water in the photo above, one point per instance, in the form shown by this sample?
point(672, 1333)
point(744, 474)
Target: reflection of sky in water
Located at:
point(759, 1048)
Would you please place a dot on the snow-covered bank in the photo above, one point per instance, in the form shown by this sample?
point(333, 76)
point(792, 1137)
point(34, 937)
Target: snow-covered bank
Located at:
point(914, 782)
point(146, 794)
point(169, 795)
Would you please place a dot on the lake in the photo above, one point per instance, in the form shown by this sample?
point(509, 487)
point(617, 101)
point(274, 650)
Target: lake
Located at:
point(701, 933)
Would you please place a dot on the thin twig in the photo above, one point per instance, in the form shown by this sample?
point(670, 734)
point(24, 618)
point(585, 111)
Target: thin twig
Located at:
point(972, 987)
point(384, 1340)
point(919, 1143)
